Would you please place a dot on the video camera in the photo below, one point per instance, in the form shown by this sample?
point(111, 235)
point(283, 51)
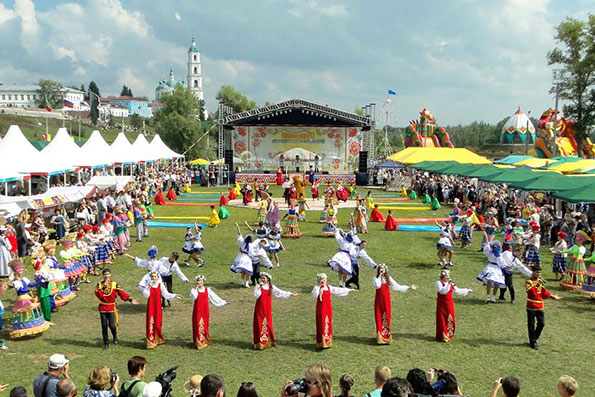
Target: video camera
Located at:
point(297, 386)
point(165, 379)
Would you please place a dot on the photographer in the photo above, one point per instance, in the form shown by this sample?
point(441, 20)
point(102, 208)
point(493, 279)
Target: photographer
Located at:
point(511, 387)
point(317, 382)
point(102, 382)
point(45, 384)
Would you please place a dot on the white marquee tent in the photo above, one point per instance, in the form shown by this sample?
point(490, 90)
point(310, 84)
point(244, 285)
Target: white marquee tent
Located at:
point(142, 149)
point(121, 150)
point(15, 152)
point(159, 150)
point(95, 152)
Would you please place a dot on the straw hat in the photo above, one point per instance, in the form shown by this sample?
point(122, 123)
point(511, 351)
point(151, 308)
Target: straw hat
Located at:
point(193, 384)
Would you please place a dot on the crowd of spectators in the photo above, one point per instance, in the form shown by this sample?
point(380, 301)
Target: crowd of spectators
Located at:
point(317, 382)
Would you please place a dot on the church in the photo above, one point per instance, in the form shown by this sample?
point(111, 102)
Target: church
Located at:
point(193, 79)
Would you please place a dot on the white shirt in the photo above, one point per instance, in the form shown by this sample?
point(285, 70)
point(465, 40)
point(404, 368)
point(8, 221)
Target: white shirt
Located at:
point(152, 265)
point(444, 289)
point(378, 281)
point(277, 293)
point(338, 291)
point(560, 246)
point(356, 252)
point(510, 263)
point(164, 293)
point(213, 297)
point(166, 268)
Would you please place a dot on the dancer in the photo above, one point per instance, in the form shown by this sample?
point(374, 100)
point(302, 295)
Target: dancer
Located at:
point(193, 245)
point(262, 326)
point(491, 275)
point(559, 261)
point(258, 253)
point(107, 291)
point(342, 193)
point(201, 296)
point(315, 189)
point(292, 229)
point(390, 223)
point(361, 217)
point(28, 318)
point(536, 294)
point(329, 191)
point(465, 232)
point(341, 261)
point(152, 265)
point(331, 220)
point(214, 220)
point(247, 194)
point(231, 194)
point(575, 273)
point(272, 219)
point(358, 250)
point(154, 292)
point(445, 307)
point(369, 200)
point(302, 205)
point(375, 215)
point(324, 309)
point(533, 239)
point(352, 192)
point(510, 262)
point(382, 304)
point(242, 263)
point(274, 246)
point(445, 245)
point(222, 200)
point(166, 269)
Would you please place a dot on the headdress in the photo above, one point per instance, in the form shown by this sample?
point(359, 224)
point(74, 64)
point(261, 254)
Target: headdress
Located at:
point(201, 277)
point(16, 265)
point(49, 245)
point(444, 273)
point(562, 235)
point(267, 275)
point(153, 251)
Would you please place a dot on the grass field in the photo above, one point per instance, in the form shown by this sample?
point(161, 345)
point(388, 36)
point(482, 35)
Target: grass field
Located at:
point(490, 340)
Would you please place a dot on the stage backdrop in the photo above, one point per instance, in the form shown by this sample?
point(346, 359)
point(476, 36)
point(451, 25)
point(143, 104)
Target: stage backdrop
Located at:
point(261, 147)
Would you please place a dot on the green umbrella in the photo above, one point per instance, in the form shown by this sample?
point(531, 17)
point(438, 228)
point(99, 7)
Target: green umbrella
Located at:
point(459, 169)
point(485, 170)
point(585, 194)
point(553, 182)
point(510, 175)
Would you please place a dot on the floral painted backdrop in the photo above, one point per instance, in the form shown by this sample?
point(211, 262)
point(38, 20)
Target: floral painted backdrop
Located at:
point(261, 146)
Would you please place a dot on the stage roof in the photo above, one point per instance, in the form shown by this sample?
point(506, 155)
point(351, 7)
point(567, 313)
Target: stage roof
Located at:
point(298, 112)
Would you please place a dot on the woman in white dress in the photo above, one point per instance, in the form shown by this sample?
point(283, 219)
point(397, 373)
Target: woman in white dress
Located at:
point(492, 276)
point(242, 264)
point(341, 261)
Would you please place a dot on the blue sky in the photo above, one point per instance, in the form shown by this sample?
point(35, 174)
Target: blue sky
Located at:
point(464, 60)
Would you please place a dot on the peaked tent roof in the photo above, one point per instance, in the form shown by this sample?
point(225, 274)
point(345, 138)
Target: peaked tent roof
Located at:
point(96, 151)
point(585, 194)
point(513, 159)
point(554, 182)
point(298, 112)
point(15, 149)
point(141, 149)
point(414, 155)
point(159, 150)
point(62, 150)
point(121, 150)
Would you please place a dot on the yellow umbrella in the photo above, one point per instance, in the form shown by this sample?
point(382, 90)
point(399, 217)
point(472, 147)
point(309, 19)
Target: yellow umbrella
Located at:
point(575, 166)
point(536, 163)
point(199, 162)
point(414, 155)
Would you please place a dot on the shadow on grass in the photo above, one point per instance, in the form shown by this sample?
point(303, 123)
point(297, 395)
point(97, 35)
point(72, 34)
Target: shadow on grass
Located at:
point(232, 285)
point(241, 344)
point(128, 308)
point(309, 346)
point(493, 342)
point(360, 340)
point(422, 337)
point(424, 265)
point(98, 343)
point(476, 302)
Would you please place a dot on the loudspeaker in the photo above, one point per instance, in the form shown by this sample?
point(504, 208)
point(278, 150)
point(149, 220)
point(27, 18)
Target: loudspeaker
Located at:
point(228, 159)
point(363, 162)
point(361, 178)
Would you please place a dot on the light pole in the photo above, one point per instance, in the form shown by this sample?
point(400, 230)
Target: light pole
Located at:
point(558, 79)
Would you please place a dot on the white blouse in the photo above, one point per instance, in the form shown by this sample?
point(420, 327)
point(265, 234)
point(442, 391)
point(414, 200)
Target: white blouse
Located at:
point(277, 292)
point(164, 292)
point(378, 281)
point(213, 297)
point(338, 291)
point(443, 289)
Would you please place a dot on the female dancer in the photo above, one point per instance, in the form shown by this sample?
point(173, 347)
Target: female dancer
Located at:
point(155, 291)
point(341, 261)
point(262, 326)
point(193, 246)
point(201, 296)
point(352, 192)
point(291, 225)
point(445, 245)
point(315, 189)
point(382, 304)
point(533, 238)
point(390, 223)
point(243, 263)
point(331, 220)
point(375, 215)
point(559, 262)
point(575, 273)
point(361, 217)
point(445, 307)
point(491, 275)
point(342, 193)
point(324, 309)
point(274, 245)
point(247, 194)
point(465, 232)
point(262, 213)
point(272, 218)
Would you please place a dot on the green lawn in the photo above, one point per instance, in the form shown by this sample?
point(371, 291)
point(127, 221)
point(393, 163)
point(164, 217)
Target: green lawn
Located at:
point(490, 340)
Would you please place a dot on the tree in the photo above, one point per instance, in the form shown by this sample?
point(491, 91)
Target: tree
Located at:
point(136, 121)
point(202, 111)
point(359, 111)
point(51, 91)
point(126, 91)
point(238, 101)
point(177, 121)
point(94, 101)
point(577, 58)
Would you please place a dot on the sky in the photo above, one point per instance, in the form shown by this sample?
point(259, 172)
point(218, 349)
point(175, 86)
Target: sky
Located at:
point(464, 60)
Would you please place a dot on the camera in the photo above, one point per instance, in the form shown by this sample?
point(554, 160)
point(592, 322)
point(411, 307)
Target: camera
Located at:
point(165, 379)
point(297, 386)
point(113, 375)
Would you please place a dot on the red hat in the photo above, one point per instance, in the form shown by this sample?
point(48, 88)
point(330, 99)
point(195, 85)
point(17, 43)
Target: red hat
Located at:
point(108, 215)
point(80, 234)
point(95, 228)
point(87, 228)
point(562, 235)
point(534, 226)
point(104, 220)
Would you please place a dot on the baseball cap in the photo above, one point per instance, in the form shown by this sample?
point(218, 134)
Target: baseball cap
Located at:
point(57, 361)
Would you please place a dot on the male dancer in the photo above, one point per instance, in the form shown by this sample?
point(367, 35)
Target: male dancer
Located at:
point(107, 291)
point(536, 293)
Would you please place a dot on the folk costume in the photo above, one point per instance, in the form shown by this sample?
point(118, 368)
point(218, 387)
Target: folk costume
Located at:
point(382, 307)
point(262, 213)
point(166, 270)
point(588, 287)
point(390, 223)
point(223, 200)
point(536, 294)
point(445, 309)
point(342, 193)
point(231, 195)
point(356, 252)
point(331, 221)
point(107, 293)
point(292, 229)
point(201, 314)
point(214, 220)
point(324, 313)
point(171, 195)
point(247, 194)
point(576, 271)
point(376, 216)
point(532, 257)
point(243, 262)
point(559, 263)
point(262, 326)
point(154, 293)
point(492, 272)
point(509, 263)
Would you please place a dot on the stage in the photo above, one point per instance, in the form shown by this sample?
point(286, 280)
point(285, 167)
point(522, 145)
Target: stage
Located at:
point(323, 179)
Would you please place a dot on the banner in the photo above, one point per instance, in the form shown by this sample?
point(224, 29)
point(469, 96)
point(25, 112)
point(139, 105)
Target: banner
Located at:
point(333, 149)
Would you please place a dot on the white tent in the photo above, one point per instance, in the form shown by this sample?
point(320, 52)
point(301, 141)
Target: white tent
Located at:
point(305, 155)
point(51, 198)
point(95, 152)
point(121, 150)
point(50, 162)
point(15, 154)
point(109, 182)
point(62, 151)
point(159, 150)
point(142, 149)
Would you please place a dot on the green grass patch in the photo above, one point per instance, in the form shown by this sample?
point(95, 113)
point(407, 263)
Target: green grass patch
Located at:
point(490, 340)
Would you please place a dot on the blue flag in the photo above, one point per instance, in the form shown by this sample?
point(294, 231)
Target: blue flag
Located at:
point(391, 92)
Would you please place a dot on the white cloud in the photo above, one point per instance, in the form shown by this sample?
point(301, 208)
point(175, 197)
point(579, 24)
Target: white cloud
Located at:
point(127, 21)
point(61, 52)
point(310, 8)
point(132, 79)
point(80, 71)
point(178, 16)
point(6, 14)
point(231, 69)
point(25, 9)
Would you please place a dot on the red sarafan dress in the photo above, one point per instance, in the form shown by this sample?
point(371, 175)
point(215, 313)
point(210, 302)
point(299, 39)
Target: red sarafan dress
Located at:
point(390, 223)
point(342, 193)
point(324, 313)
point(382, 307)
point(231, 195)
point(279, 177)
point(445, 309)
point(262, 326)
point(201, 315)
point(222, 200)
point(155, 314)
point(376, 216)
point(171, 195)
point(159, 200)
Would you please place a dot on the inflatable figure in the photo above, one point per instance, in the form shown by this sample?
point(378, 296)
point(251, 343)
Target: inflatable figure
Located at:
point(424, 133)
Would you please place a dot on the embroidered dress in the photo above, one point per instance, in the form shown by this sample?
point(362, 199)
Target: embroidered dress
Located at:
point(153, 324)
point(324, 313)
point(492, 272)
point(445, 309)
point(27, 319)
point(576, 271)
point(201, 315)
point(242, 262)
point(262, 325)
point(382, 307)
point(588, 286)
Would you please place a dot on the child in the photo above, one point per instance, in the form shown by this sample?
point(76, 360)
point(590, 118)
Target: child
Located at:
point(292, 229)
point(262, 213)
point(331, 221)
point(533, 239)
point(315, 189)
point(193, 245)
point(559, 263)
